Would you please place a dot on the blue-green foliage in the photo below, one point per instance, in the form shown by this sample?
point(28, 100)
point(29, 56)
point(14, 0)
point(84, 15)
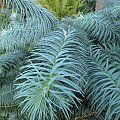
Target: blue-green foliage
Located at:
point(67, 69)
point(52, 76)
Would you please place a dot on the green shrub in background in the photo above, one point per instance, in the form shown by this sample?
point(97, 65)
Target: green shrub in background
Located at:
point(63, 8)
point(65, 70)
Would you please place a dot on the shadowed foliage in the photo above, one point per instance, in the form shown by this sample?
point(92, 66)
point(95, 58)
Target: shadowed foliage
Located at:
point(53, 69)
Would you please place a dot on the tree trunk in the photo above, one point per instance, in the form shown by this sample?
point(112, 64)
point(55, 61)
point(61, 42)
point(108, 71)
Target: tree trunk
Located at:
point(0, 3)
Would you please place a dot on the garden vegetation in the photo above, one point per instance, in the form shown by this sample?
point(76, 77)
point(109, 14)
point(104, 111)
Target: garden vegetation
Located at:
point(53, 69)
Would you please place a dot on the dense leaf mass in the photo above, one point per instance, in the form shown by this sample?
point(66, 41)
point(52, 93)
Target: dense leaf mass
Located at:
point(52, 69)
